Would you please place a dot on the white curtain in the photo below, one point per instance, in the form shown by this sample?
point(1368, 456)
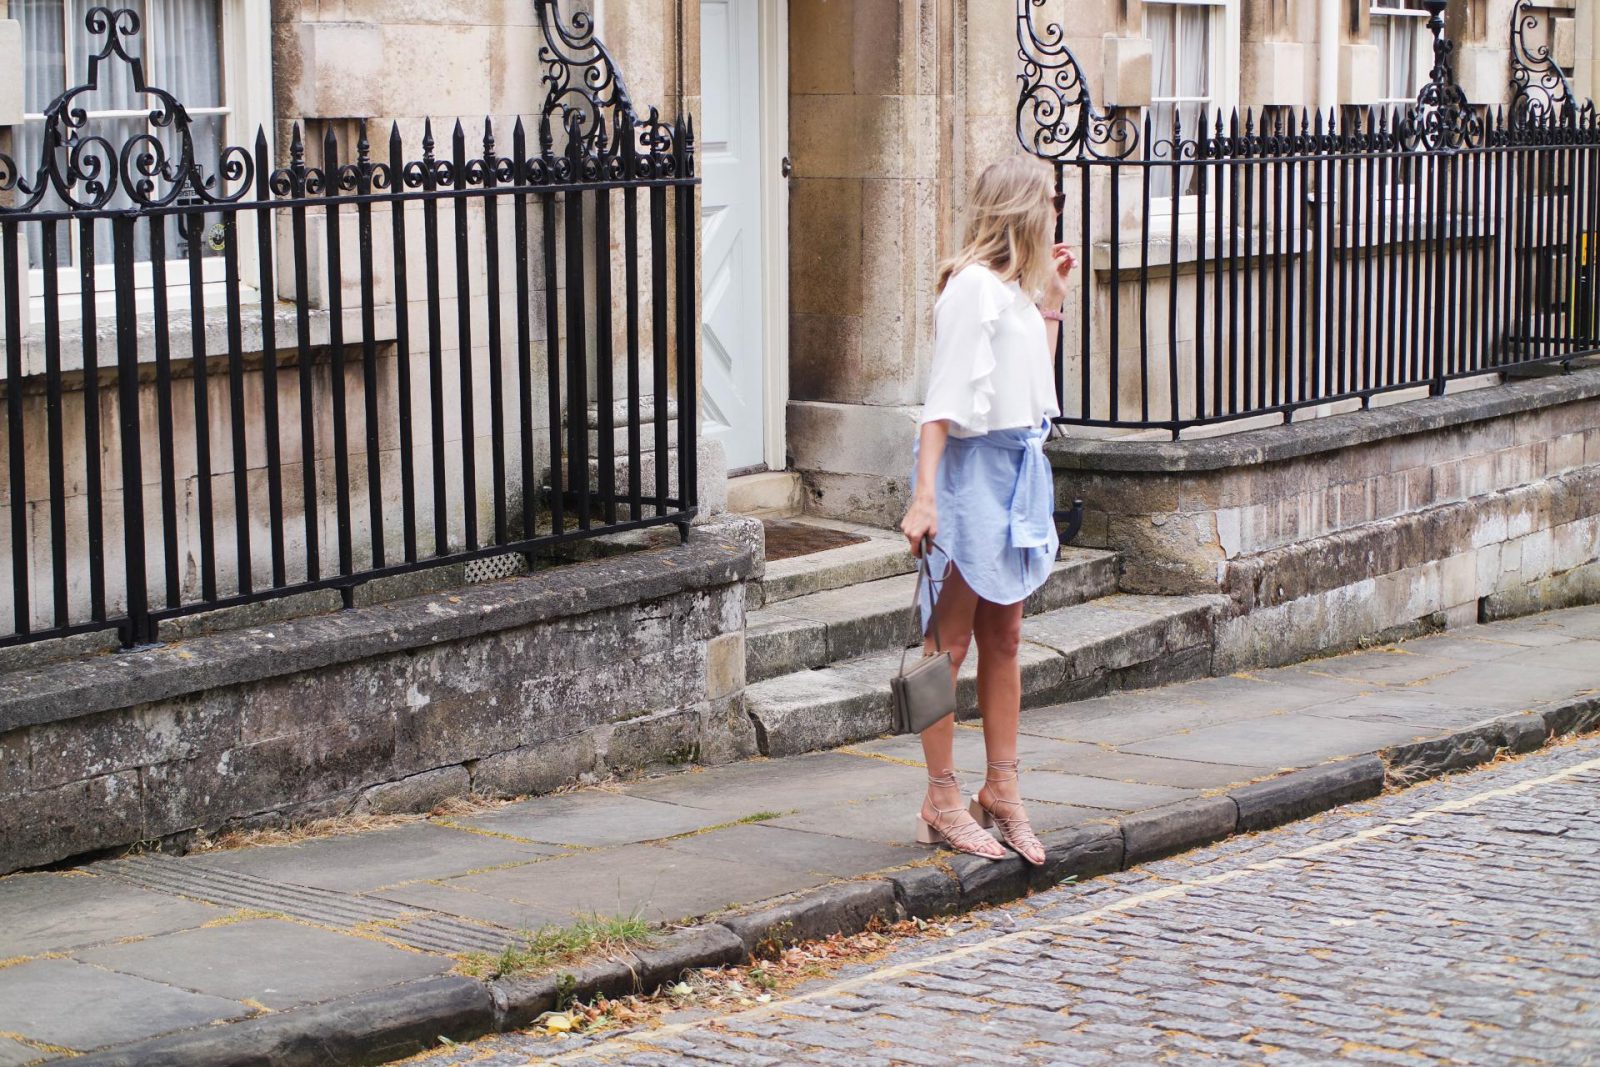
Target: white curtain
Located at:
point(1180, 60)
point(184, 43)
point(43, 79)
point(181, 47)
point(1194, 56)
point(1159, 24)
point(1403, 79)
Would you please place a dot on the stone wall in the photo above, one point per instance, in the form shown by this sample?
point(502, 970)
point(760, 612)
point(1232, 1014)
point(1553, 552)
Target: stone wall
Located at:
point(514, 687)
point(1372, 524)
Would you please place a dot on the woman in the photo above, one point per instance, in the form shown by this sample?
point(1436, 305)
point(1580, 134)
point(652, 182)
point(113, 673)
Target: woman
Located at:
point(981, 492)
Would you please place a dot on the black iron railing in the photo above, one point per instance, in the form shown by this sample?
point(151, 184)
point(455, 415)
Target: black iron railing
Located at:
point(227, 381)
point(1266, 263)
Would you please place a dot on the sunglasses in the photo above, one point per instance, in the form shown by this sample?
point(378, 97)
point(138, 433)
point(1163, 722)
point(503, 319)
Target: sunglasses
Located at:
point(1059, 202)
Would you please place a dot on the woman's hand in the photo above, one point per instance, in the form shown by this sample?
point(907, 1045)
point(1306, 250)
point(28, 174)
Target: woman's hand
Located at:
point(1063, 261)
point(921, 521)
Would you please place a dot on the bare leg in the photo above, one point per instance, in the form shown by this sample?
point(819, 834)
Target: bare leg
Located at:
point(998, 629)
point(954, 618)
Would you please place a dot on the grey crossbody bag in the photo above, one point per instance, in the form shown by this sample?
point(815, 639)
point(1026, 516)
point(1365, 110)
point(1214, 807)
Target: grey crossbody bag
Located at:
point(926, 693)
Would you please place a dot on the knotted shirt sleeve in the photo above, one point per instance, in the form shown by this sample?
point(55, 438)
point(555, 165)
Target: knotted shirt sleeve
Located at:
point(961, 385)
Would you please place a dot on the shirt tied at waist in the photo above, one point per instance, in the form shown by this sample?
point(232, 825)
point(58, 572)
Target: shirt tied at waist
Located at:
point(1032, 507)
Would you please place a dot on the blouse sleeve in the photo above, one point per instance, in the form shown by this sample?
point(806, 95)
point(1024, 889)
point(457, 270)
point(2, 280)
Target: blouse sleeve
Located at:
point(960, 385)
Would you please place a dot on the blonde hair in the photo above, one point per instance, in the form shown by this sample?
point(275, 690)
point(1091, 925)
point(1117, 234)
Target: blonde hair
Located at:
point(1011, 225)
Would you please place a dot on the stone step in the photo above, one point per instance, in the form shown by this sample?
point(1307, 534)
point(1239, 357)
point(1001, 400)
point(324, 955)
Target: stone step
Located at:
point(647, 470)
point(818, 629)
point(767, 494)
point(882, 555)
point(619, 427)
point(1071, 653)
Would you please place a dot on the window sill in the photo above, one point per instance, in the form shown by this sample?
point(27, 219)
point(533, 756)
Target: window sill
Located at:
point(1234, 244)
point(285, 325)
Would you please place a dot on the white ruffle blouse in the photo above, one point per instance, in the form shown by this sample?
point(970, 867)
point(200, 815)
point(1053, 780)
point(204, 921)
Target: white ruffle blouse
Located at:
point(991, 370)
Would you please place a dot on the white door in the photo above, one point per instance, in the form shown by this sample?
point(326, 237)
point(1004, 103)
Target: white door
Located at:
point(733, 259)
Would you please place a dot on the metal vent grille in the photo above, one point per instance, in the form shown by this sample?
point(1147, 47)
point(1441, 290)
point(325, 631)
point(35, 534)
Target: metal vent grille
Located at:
point(494, 568)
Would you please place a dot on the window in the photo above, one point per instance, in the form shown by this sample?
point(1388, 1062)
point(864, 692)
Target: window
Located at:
point(1184, 71)
point(180, 43)
point(214, 56)
point(1398, 31)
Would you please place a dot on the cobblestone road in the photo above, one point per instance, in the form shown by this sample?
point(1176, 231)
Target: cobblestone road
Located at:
point(1456, 923)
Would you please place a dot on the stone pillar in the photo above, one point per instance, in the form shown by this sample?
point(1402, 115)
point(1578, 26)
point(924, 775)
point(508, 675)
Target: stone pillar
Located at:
point(895, 107)
point(869, 118)
point(1277, 55)
point(1586, 73)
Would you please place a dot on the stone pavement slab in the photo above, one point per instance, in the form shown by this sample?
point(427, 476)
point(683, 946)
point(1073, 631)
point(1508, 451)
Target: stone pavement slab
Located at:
point(1395, 665)
point(73, 1005)
point(1060, 788)
point(651, 881)
point(784, 785)
point(175, 946)
point(818, 855)
point(1122, 719)
point(877, 818)
point(593, 820)
point(1033, 749)
point(357, 863)
point(1537, 676)
point(1416, 708)
point(16, 1054)
point(1279, 740)
point(267, 961)
point(55, 912)
point(1116, 765)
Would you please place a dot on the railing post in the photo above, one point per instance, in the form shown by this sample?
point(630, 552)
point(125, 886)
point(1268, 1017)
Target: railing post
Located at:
point(139, 630)
point(687, 290)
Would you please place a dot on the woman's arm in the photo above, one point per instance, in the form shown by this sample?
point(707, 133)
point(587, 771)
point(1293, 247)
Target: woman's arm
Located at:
point(922, 518)
point(1056, 296)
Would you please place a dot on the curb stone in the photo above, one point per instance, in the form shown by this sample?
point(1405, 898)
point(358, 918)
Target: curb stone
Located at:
point(373, 1028)
point(1263, 805)
point(1520, 732)
point(520, 1001)
point(1173, 828)
point(1077, 852)
point(926, 892)
point(388, 1024)
point(1573, 717)
point(842, 908)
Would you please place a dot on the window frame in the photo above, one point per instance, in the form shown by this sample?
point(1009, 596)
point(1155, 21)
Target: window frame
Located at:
point(1224, 89)
point(1391, 13)
point(245, 65)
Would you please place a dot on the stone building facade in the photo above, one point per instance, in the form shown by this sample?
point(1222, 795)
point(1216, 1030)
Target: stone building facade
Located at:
point(836, 141)
point(837, 138)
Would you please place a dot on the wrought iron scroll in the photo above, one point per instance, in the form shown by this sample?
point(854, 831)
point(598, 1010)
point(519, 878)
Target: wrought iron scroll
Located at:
point(1443, 118)
point(588, 100)
point(1056, 116)
point(1539, 87)
point(86, 171)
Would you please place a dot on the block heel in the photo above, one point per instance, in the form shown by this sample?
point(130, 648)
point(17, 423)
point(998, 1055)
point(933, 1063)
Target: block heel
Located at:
point(979, 813)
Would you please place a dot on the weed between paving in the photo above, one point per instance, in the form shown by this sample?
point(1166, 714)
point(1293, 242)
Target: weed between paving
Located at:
point(776, 972)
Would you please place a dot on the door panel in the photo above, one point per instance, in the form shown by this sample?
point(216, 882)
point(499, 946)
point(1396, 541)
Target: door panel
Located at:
point(733, 259)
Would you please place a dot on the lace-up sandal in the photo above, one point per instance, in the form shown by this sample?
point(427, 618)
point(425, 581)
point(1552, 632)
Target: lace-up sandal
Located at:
point(1007, 816)
point(955, 827)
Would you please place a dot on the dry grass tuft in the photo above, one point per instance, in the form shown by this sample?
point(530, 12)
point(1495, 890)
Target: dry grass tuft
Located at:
point(295, 833)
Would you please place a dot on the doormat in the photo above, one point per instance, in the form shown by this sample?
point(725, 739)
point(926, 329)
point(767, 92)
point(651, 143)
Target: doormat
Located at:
point(786, 540)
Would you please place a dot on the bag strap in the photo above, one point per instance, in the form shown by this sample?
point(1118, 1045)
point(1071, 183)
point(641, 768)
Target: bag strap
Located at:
point(924, 575)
